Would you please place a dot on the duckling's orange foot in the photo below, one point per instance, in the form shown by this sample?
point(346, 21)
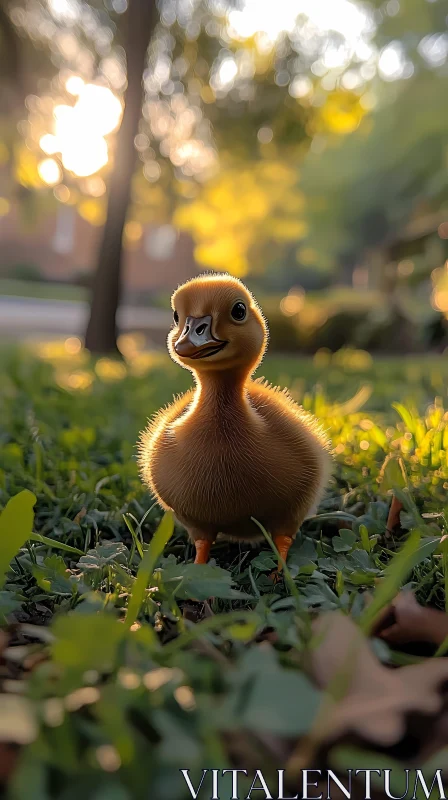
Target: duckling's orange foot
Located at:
point(276, 576)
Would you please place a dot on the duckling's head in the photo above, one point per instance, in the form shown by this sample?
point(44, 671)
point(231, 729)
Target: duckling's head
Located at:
point(217, 326)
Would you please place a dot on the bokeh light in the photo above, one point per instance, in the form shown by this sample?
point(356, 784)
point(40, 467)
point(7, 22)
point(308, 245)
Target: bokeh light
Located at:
point(439, 296)
point(393, 64)
point(293, 302)
point(49, 171)
point(272, 19)
point(74, 84)
point(4, 206)
point(73, 345)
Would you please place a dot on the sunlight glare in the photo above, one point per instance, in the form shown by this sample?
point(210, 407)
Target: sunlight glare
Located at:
point(273, 19)
point(98, 107)
point(85, 155)
point(68, 10)
point(258, 16)
point(79, 130)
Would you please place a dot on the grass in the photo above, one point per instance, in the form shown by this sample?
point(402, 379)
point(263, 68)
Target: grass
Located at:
point(41, 290)
point(108, 687)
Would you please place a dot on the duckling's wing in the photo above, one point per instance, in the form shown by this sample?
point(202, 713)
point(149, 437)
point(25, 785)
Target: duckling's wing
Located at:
point(261, 392)
point(275, 403)
point(284, 393)
point(165, 416)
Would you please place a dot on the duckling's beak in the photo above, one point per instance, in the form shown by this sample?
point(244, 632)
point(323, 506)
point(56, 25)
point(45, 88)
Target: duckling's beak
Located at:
point(197, 340)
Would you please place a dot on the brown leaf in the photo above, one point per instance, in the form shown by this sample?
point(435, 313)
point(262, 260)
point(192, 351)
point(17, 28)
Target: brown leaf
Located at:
point(392, 474)
point(405, 621)
point(393, 519)
point(80, 515)
point(366, 698)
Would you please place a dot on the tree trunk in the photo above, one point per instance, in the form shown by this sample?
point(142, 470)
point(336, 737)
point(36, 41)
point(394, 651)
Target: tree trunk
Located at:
point(101, 334)
point(12, 61)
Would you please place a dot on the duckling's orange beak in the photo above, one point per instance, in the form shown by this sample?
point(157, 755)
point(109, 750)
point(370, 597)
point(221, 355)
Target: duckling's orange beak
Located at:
point(197, 340)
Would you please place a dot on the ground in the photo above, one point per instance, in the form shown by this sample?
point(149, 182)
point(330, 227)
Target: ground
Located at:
point(111, 667)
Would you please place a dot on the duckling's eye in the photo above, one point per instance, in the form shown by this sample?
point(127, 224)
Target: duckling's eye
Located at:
point(239, 311)
point(176, 318)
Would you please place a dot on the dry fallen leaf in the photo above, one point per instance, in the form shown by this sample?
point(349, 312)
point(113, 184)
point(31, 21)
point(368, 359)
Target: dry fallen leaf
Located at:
point(405, 621)
point(366, 698)
point(393, 519)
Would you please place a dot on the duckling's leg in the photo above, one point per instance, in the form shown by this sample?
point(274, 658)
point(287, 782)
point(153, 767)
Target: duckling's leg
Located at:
point(203, 541)
point(283, 540)
point(195, 610)
point(203, 547)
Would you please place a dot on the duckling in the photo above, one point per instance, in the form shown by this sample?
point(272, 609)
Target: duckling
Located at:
point(233, 448)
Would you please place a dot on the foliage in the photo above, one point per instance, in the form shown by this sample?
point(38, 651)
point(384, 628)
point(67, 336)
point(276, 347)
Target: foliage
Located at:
point(363, 190)
point(121, 671)
point(345, 317)
point(218, 105)
point(223, 111)
point(242, 210)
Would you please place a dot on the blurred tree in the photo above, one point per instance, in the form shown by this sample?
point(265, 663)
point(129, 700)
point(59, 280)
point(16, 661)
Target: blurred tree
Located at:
point(232, 98)
point(211, 85)
point(10, 59)
point(363, 190)
point(101, 334)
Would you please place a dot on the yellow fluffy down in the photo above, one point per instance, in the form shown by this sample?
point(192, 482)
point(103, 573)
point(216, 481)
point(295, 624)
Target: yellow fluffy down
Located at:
point(232, 448)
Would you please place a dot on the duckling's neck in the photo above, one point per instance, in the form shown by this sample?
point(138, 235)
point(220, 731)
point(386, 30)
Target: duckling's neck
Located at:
point(222, 391)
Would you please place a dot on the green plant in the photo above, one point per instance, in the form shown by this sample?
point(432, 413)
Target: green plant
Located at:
point(107, 584)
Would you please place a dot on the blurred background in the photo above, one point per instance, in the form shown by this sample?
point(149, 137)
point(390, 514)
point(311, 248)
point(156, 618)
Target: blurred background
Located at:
point(301, 145)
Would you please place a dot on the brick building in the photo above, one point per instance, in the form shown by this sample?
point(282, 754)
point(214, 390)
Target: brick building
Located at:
point(63, 246)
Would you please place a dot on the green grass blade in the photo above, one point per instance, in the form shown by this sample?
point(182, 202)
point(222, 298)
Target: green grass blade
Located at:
point(442, 649)
point(288, 577)
point(16, 524)
point(405, 415)
point(135, 538)
point(395, 575)
point(37, 537)
point(146, 568)
point(365, 540)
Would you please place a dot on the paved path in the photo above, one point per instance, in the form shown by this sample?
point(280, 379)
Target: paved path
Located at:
point(22, 317)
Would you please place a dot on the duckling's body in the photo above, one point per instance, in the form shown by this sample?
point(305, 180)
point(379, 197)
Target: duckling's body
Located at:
point(232, 448)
